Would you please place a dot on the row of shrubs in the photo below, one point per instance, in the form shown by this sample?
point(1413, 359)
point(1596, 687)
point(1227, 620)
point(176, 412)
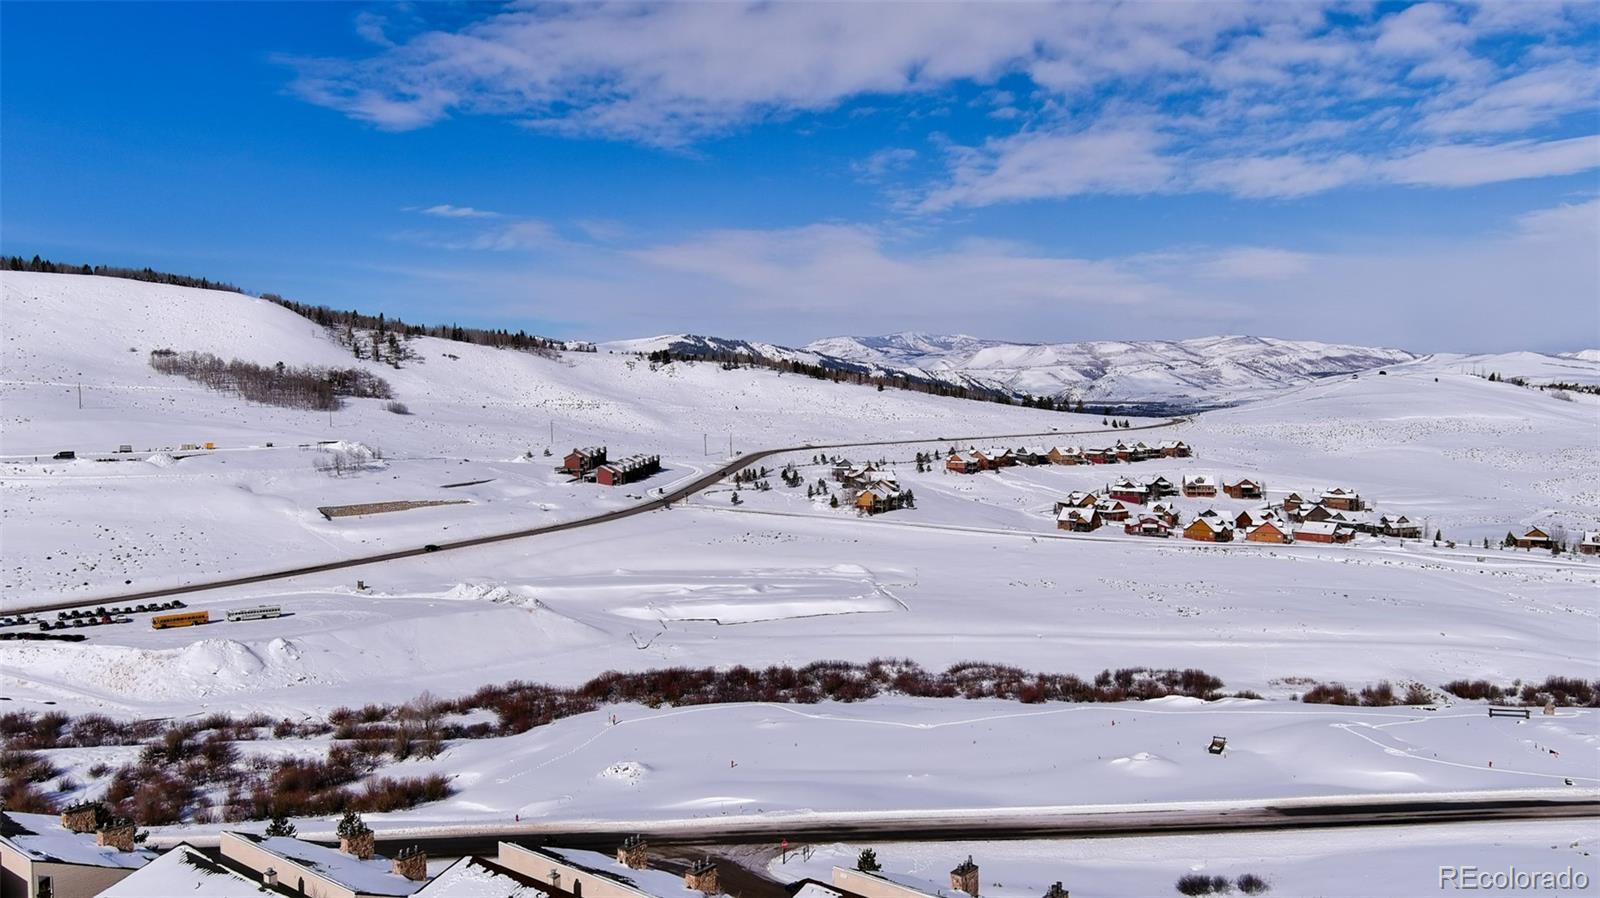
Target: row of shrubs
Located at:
point(1200, 884)
point(1564, 691)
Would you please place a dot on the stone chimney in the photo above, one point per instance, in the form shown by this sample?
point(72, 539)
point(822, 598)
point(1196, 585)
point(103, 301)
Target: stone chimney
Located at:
point(269, 878)
point(412, 863)
point(964, 877)
point(117, 834)
point(702, 877)
point(634, 853)
point(361, 845)
point(81, 818)
point(1056, 891)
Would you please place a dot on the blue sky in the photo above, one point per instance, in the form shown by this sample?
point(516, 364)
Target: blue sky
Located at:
point(1422, 176)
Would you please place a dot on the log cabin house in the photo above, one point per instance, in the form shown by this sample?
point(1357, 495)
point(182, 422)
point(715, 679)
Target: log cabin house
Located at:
point(1268, 532)
point(1534, 539)
point(1243, 488)
point(1165, 511)
point(1078, 520)
point(1113, 510)
point(1590, 544)
point(1402, 527)
point(1174, 449)
point(1209, 530)
point(1196, 485)
point(1077, 499)
point(1342, 499)
point(1323, 532)
point(969, 463)
point(1066, 455)
point(879, 498)
point(1161, 488)
point(1100, 456)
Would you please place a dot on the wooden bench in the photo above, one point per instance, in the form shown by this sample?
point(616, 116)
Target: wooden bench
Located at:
point(1218, 743)
point(1509, 712)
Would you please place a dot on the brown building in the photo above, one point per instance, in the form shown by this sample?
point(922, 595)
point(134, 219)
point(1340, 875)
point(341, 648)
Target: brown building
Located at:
point(1126, 490)
point(1590, 544)
point(1197, 485)
point(579, 462)
point(1209, 530)
point(1078, 520)
point(1148, 525)
point(627, 470)
point(963, 464)
point(1267, 532)
point(1066, 455)
point(1534, 539)
point(1243, 489)
point(1342, 499)
point(1323, 532)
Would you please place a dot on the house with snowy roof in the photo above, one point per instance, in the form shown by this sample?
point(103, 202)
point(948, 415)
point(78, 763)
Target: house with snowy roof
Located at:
point(1534, 538)
point(1324, 532)
point(477, 877)
point(322, 872)
point(1342, 499)
point(590, 874)
point(1078, 520)
point(1196, 485)
point(1126, 489)
point(1113, 510)
point(1174, 449)
point(1590, 545)
point(878, 884)
point(964, 463)
point(1066, 455)
point(1269, 531)
point(1166, 512)
point(1209, 529)
point(73, 855)
point(1147, 525)
point(187, 871)
point(1244, 488)
point(1399, 526)
point(1161, 488)
point(1077, 499)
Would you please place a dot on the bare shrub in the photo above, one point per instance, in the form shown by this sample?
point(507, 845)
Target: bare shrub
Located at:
point(396, 406)
point(309, 387)
point(1251, 884)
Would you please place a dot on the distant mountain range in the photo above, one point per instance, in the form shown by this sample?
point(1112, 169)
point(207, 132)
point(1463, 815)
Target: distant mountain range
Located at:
point(1183, 374)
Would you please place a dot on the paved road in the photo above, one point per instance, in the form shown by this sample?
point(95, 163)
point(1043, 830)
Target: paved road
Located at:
point(455, 841)
point(662, 501)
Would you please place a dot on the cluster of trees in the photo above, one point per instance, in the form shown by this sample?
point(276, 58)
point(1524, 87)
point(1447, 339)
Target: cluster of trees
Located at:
point(308, 387)
point(1564, 691)
point(1380, 695)
point(17, 263)
point(1116, 424)
point(1200, 884)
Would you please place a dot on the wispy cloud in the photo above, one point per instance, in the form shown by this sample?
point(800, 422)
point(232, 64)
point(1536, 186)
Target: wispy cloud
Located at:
point(445, 210)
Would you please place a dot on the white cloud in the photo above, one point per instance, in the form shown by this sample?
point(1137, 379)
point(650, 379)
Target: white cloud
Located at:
point(445, 210)
point(1466, 165)
point(1052, 164)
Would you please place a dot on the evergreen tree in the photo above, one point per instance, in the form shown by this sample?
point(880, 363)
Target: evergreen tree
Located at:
point(280, 826)
point(867, 861)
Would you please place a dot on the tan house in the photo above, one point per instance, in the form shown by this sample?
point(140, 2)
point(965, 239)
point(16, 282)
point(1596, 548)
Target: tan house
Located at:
point(1209, 530)
point(1534, 539)
point(1268, 532)
point(1078, 520)
point(66, 856)
point(1066, 455)
point(1342, 499)
point(1591, 543)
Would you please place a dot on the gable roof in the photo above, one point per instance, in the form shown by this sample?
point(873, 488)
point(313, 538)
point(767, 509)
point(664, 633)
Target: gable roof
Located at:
point(475, 877)
point(186, 871)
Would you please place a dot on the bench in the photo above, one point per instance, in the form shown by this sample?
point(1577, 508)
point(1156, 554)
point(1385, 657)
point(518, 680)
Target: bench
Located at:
point(1509, 712)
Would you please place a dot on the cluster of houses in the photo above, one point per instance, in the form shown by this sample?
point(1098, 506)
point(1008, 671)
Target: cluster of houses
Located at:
point(872, 489)
point(592, 465)
point(974, 460)
point(1334, 516)
point(71, 857)
point(1537, 538)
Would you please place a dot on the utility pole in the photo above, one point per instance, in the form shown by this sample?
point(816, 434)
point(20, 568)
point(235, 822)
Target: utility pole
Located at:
point(80, 395)
point(705, 444)
point(730, 445)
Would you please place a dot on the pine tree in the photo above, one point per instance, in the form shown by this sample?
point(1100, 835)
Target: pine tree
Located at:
point(351, 825)
point(867, 861)
point(280, 826)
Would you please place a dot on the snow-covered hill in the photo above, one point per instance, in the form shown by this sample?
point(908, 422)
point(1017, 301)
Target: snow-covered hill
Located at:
point(1203, 372)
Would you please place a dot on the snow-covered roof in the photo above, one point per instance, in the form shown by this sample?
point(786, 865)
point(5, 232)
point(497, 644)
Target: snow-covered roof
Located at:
point(1127, 484)
point(1592, 538)
point(1199, 480)
point(1267, 523)
point(186, 871)
point(1212, 524)
point(1066, 450)
point(1327, 528)
point(472, 877)
point(372, 877)
point(658, 883)
point(41, 837)
point(815, 889)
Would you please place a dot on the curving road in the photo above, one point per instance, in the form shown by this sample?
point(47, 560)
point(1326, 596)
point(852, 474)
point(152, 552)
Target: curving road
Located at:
point(661, 501)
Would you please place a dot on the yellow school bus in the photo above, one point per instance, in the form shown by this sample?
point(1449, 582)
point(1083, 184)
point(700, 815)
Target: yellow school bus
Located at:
point(183, 619)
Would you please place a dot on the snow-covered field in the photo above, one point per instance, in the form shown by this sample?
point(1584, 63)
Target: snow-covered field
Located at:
point(1342, 863)
point(976, 571)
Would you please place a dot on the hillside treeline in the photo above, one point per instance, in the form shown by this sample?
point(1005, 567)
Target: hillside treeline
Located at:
point(308, 387)
point(17, 263)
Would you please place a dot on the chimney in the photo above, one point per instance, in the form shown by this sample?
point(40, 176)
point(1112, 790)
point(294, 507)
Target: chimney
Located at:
point(634, 853)
point(702, 877)
point(116, 834)
point(1056, 891)
point(360, 846)
point(412, 863)
point(965, 877)
point(81, 818)
point(269, 878)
